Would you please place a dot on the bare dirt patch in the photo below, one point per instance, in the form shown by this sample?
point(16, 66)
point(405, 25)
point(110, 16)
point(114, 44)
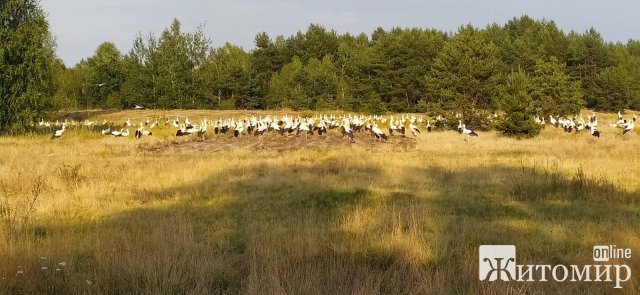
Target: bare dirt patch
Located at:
point(275, 142)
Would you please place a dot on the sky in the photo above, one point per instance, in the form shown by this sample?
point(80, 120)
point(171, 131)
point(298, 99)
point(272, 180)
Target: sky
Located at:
point(80, 26)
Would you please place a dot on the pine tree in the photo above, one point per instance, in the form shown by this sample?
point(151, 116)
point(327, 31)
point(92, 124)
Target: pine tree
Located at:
point(466, 76)
point(518, 107)
point(555, 93)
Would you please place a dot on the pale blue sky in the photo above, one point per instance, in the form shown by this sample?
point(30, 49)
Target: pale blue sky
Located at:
point(81, 25)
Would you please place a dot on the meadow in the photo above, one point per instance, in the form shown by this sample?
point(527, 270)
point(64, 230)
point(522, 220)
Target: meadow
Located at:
point(94, 214)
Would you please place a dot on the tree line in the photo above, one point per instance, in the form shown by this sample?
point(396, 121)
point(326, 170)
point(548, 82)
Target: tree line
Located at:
point(473, 71)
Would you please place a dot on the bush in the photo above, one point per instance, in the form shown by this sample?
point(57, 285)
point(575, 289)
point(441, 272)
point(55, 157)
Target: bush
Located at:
point(70, 174)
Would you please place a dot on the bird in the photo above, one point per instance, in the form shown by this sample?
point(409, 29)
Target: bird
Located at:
point(402, 130)
point(346, 130)
point(58, 133)
point(392, 127)
point(238, 130)
point(125, 133)
point(414, 129)
point(321, 127)
point(116, 133)
point(304, 128)
point(182, 131)
point(429, 127)
point(202, 130)
point(468, 132)
point(142, 132)
point(261, 129)
point(106, 131)
point(594, 132)
point(377, 132)
point(629, 126)
point(621, 122)
point(138, 107)
point(553, 121)
point(154, 124)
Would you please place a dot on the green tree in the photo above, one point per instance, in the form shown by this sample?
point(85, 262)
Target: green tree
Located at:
point(267, 58)
point(316, 43)
point(531, 40)
point(401, 59)
point(174, 62)
point(587, 57)
point(356, 90)
point(518, 107)
point(286, 87)
point(26, 61)
point(466, 76)
point(617, 87)
point(107, 77)
point(554, 92)
point(139, 86)
point(322, 85)
point(228, 74)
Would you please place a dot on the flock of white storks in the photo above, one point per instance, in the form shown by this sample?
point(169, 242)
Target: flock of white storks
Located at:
point(347, 125)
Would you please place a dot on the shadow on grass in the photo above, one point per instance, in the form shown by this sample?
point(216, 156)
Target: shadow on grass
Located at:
point(551, 218)
point(332, 227)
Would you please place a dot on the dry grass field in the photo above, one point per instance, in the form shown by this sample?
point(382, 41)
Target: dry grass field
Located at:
point(92, 214)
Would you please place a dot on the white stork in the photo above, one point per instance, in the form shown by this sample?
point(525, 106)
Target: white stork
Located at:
point(595, 132)
point(58, 133)
point(629, 126)
point(414, 129)
point(378, 133)
point(468, 132)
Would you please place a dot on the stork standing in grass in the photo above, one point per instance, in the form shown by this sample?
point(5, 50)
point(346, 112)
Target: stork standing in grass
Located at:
point(321, 127)
point(58, 133)
point(182, 131)
point(468, 132)
point(202, 130)
point(346, 130)
point(377, 132)
point(553, 121)
point(238, 130)
point(392, 126)
point(303, 127)
point(261, 129)
point(629, 126)
point(106, 131)
point(595, 132)
point(414, 129)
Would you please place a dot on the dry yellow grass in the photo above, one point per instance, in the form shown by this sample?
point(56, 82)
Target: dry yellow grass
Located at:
point(345, 219)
